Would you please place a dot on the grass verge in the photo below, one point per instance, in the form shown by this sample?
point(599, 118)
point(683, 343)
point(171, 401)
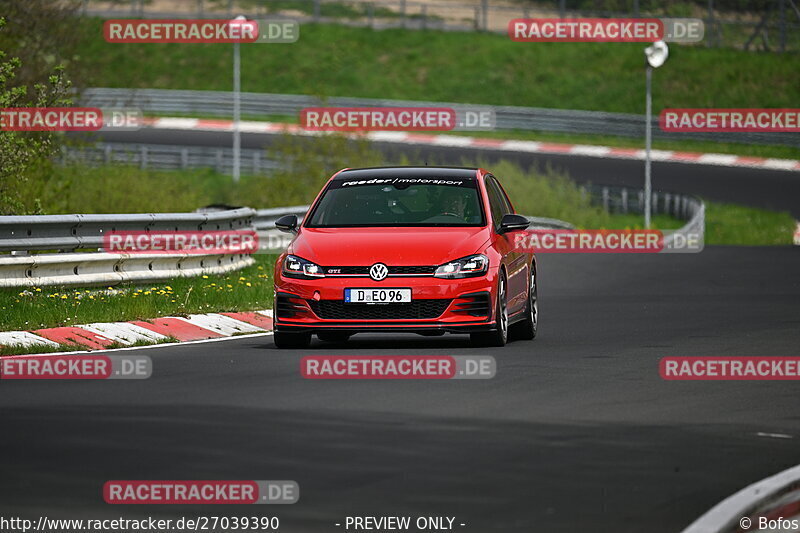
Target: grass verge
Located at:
point(45, 307)
point(333, 60)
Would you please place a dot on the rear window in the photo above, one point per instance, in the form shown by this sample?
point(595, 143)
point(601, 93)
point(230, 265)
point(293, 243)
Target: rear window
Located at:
point(401, 201)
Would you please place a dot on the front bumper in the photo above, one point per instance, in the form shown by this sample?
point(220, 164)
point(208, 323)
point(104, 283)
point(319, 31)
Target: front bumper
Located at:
point(318, 305)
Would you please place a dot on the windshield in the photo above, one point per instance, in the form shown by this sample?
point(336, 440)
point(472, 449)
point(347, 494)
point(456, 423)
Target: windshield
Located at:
point(399, 202)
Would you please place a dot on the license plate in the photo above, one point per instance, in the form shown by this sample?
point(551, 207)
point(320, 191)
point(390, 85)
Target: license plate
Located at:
point(377, 296)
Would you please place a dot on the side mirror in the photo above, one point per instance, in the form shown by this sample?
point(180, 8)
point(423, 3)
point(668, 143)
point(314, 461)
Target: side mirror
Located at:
point(287, 223)
point(513, 222)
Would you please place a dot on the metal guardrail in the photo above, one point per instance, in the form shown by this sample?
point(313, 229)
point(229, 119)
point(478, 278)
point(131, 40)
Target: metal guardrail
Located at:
point(220, 103)
point(21, 235)
point(615, 199)
point(72, 232)
point(101, 269)
point(168, 157)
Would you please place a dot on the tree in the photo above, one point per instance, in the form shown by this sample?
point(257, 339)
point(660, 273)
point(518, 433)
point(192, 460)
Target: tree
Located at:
point(23, 153)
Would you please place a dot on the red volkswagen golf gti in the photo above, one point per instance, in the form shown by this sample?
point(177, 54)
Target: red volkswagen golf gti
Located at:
point(426, 250)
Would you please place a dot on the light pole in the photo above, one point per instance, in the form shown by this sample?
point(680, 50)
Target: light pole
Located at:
point(238, 21)
point(656, 55)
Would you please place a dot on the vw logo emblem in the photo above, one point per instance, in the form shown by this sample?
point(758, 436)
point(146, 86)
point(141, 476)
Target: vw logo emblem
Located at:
point(378, 271)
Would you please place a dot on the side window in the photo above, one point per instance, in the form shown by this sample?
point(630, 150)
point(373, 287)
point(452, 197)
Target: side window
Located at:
point(495, 200)
point(507, 208)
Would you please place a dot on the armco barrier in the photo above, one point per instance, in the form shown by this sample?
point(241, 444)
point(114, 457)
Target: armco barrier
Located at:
point(219, 103)
point(76, 269)
point(72, 232)
point(615, 199)
point(168, 157)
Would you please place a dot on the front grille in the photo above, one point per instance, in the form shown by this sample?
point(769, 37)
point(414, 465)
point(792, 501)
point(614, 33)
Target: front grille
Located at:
point(364, 270)
point(338, 310)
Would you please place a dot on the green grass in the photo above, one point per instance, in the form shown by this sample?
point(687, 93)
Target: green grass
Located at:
point(480, 68)
point(736, 224)
point(44, 307)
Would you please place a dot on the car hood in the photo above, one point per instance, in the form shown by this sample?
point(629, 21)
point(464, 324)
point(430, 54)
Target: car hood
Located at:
point(392, 246)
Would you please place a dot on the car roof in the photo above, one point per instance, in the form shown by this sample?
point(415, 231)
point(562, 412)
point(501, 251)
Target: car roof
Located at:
point(407, 172)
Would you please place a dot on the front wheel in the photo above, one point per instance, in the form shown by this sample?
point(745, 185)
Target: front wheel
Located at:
point(526, 328)
point(499, 336)
point(285, 340)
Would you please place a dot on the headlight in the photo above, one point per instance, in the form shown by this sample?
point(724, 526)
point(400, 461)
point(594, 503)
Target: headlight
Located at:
point(466, 267)
point(296, 267)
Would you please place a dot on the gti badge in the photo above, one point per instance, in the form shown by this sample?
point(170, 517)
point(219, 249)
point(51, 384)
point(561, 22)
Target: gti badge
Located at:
point(378, 271)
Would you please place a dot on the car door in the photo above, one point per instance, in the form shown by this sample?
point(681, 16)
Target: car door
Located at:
point(515, 261)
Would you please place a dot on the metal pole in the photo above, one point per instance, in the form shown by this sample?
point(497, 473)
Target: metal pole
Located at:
point(647, 144)
point(236, 110)
point(782, 11)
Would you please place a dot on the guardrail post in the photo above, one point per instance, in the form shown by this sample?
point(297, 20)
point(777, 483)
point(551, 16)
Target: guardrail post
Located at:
point(624, 196)
point(640, 198)
point(710, 25)
point(371, 14)
point(316, 10)
point(666, 203)
point(184, 158)
point(562, 8)
point(402, 13)
point(654, 202)
point(107, 154)
point(605, 199)
point(143, 157)
point(219, 160)
point(199, 9)
point(477, 25)
point(424, 12)
point(485, 9)
point(256, 163)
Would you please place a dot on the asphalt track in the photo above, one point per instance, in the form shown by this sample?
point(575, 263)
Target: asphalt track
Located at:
point(772, 189)
point(577, 431)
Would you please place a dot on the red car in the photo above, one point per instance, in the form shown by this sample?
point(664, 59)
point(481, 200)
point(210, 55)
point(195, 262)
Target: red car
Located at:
point(426, 250)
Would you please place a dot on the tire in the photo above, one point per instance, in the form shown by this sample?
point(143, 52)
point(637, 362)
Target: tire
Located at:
point(526, 329)
point(499, 336)
point(333, 336)
point(291, 341)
